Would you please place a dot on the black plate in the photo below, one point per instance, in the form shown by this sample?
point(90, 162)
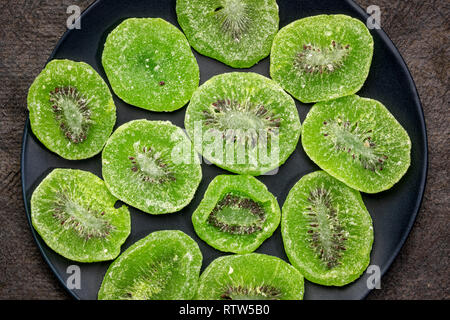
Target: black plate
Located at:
point(393, 211)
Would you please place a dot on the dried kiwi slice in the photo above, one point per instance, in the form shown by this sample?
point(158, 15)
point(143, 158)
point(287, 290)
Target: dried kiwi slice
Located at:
point(250, 276)
point(322, 57)
point(152, 166)
point(357, 141)
point(165, 265)
point(73, 212)
point(71, 109)
point(238, 33)
point(149, 64)
point(327, 231)
point(236, 214)
point(243, 122)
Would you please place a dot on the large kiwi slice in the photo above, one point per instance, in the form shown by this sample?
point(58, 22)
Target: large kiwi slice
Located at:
point(250, 276)
point(322, 57)
point(243, 122)
point(71, 109)
point(149, 64)
point(74, 213)
point(152, 166)
point(165, 265)
point(357, 141)
point(327, 231)
point(236, 214)
point(238, 33)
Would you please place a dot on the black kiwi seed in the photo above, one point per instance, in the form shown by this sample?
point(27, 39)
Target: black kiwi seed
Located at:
point(244, 128)
point(71, 111)
point(361, 147)
point(235, 201)
point(313, 59)
point(84, 220)
point(262, 292)
point(326, 233)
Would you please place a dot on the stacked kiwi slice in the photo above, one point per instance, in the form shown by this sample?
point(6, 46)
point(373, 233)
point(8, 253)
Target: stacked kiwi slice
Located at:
point(242, 122)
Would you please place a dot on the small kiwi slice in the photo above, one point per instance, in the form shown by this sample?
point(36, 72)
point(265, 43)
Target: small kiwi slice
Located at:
point(251, 276)
point(322, 57)
point(243, 122)
point(152, 166)
point(327, 231)
point(165, 265)
point(238, 33)
point(236, 214)
point(358, 141)
point(149, 64)
point(71, 109)
point(74, 213)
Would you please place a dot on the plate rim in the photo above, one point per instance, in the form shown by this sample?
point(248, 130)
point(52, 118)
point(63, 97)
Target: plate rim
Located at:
point(424, 170)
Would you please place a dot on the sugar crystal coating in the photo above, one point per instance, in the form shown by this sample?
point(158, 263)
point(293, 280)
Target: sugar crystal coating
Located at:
point(238, 33)
point(322, 57)
point(74, 213)
point(71, 109)
point(152, 166)
point(327, 231)
point(149, 64)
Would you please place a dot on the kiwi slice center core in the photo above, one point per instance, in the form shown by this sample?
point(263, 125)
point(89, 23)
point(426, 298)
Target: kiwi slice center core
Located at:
point(85, 221)
point(237, 215)
point(253, 293)
point(358, 143)
point(150, 166)
point(72, 113)
point(151, 283)
point(327, 235)
point(233, 17)
point(316, 59)
point(245, 120)
point(239, 120)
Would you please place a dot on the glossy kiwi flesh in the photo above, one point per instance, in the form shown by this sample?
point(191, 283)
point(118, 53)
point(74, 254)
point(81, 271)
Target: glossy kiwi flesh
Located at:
point(236, 214)
point(358, 141)
point(327, 230)
point(252, 276)
point(165, 265)
point(74, 213)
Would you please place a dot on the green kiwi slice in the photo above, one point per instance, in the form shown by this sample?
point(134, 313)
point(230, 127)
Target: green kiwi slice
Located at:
point(243, 122)
point(165, 265)
point(238, 33)
point(71, 109)
point(152, 166)
point(74, 213)
point(236, 214)
point(149, 64)
point(358, 141)
point(322, 57)
point(327, 231)
point(251, 276)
